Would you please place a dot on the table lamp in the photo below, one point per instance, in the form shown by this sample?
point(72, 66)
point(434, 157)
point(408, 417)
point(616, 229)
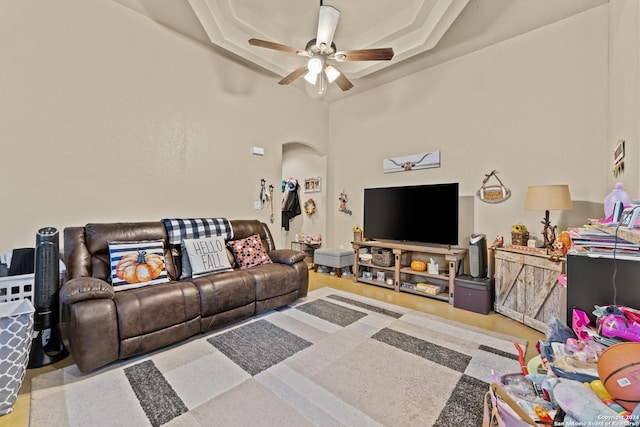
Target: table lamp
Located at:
point(548, 197)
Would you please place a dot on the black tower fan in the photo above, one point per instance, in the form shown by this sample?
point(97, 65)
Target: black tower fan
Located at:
point(47, 346)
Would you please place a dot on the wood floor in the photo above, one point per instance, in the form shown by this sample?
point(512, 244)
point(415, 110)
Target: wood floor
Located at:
point(493, 322)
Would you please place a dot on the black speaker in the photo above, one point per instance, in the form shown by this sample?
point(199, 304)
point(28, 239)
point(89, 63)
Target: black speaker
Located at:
point(47, 346)
point(478, 256)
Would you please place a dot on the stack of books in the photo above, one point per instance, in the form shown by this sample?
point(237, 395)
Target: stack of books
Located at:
point(600, 243)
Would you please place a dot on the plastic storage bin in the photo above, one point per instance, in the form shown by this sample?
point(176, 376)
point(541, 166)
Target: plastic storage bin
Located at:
point(473, 294)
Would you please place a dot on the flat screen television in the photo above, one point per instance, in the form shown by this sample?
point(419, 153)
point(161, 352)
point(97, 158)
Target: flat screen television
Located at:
point(419, 213)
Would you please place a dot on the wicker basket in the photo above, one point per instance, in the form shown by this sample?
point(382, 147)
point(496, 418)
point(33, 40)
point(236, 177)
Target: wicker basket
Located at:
point(519, 238)
point(382, 258)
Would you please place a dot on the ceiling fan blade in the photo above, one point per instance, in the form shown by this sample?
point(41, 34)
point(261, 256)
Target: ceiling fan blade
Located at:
point(343, 82)
point(277, 46)
point(327, 23)
point(382, 54)
point(293, 75)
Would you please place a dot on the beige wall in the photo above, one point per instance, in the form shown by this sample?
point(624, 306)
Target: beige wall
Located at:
point(108, 116)
point(624, 91)
point(534, 108)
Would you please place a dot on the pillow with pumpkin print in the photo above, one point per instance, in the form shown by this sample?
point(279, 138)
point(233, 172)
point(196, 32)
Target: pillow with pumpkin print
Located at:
point(137, 264)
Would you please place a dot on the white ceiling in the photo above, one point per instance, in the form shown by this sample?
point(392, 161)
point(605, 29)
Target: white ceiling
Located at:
point(422, 33)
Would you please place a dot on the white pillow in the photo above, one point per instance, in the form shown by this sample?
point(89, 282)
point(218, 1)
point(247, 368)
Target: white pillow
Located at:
point(207, 255)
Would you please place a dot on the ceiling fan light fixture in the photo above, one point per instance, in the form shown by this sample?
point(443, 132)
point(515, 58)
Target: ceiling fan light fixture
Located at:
point(332, 73)
point(315, 65)
point(311, 78)
point(317, 72)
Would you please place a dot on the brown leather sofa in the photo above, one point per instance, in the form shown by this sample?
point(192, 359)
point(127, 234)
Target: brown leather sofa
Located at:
point(104, 326)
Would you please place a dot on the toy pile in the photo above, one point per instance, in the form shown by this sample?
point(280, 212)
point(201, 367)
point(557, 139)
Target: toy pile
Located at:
point(583, 376)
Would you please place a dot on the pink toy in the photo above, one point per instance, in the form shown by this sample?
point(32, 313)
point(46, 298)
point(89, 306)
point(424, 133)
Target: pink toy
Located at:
point(581, 325)
point(618, 322)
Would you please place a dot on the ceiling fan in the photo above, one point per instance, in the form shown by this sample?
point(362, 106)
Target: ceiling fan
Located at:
point(321, 50)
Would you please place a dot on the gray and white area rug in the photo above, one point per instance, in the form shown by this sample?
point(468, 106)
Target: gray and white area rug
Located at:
point(332, 359)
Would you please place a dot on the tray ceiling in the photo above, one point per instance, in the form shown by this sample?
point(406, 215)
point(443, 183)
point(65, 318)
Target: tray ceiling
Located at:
point(422, 33)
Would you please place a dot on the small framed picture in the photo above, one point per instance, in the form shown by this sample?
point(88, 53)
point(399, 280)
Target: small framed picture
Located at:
point(312, 185)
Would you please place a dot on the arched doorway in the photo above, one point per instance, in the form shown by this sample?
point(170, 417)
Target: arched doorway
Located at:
point(303, 161)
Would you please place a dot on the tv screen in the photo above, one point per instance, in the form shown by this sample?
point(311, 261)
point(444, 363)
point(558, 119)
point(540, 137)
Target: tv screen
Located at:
point(420, 213)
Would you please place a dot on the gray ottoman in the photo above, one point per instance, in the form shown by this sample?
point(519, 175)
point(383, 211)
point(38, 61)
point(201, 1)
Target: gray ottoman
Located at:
point(335, 258)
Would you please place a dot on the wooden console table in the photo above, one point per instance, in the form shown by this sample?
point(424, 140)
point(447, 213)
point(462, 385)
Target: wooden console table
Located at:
point(401, 271)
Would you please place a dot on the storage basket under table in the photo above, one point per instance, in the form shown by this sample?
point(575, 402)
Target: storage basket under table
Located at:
point(382, 258)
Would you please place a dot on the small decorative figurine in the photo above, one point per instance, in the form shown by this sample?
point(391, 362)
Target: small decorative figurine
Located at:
point(498, 242)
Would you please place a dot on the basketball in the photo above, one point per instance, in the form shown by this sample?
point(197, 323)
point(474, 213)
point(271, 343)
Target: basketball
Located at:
point(619, 371)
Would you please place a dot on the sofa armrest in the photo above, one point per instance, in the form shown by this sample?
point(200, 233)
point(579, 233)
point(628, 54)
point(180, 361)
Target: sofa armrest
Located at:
point(286, 256)
point(85, 288)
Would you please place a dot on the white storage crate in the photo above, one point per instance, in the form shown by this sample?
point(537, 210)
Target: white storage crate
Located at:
point(14, 288)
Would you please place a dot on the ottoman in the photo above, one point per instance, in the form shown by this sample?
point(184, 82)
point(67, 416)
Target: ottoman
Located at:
point(335, 258)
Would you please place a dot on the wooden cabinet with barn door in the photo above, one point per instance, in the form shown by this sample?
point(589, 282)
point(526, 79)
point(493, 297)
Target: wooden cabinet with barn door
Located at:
point(527, 287)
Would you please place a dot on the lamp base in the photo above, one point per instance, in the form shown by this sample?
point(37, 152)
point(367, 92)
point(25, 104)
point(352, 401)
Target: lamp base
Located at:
point(548, 232)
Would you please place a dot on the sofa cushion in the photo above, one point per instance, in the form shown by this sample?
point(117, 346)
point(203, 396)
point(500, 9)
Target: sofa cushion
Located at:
point(153, 308)
point(249, 252)
point(226, 297)
point(206, 255)
point(273, 280)
point(136, 264)
point(92, 246)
